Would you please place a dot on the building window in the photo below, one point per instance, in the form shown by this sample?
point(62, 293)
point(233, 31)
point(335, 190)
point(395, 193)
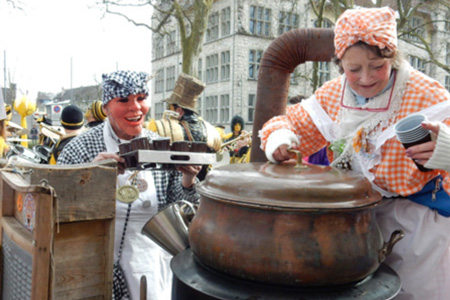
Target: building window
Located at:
point(417, 63)
point(254, 59)
point(416, 29)
point(159, 46)
point(225, 20)
point(260, 20)
point(212, 68)
point(159, 81)
point(170, 78)
point(447, 82)
point(325, 23)
point(159, 110)
point(211, 109)
point(199, 105)
point(225, 65)
point(212, 33)
point(251, 107)
point(447, 54)
point(200, 69)
point(324, 72)
point(286, 22)
point(171, 42)
point(224, 108)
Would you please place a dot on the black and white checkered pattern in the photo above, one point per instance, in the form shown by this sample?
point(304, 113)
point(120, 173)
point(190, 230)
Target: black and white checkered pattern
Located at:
point(120, 287)
point(86, 146)
point(124, 83)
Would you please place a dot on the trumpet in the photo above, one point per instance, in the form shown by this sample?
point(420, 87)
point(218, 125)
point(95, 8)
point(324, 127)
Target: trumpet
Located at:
point(232, 143)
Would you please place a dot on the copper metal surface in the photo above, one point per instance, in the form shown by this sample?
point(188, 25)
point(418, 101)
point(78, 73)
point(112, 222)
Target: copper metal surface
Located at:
point(270, 223)
point(280, 59)
point(285, 186)
point(288, 248)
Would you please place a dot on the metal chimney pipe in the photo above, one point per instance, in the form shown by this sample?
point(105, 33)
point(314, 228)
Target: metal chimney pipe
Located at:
point(280, 59)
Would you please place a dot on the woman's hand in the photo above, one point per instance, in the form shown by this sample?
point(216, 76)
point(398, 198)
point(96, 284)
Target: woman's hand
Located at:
point(189, 174)
point(281, 153)
point(421, 153)
point(105, 155)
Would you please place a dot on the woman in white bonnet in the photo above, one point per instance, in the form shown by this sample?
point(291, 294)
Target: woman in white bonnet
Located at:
point(356, 113)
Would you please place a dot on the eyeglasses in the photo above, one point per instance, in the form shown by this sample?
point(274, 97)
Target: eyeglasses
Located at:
point(368, 108)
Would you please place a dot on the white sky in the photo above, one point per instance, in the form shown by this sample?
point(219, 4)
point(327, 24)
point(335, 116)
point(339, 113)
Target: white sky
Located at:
point(42, 40)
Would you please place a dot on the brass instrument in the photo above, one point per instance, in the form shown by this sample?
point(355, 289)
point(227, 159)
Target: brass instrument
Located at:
point(233, 142)
point(50, 131)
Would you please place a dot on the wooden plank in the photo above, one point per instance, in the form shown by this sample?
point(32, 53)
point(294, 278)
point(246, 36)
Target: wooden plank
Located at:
point(18, 183)
point(43, 247)
point(84, 192)
point(66, 250)
point(6, 209)
point(92, 292)
point(17, 233)
point(80, 230)
point(109, 250)
point(7, 199)
point(81, 258)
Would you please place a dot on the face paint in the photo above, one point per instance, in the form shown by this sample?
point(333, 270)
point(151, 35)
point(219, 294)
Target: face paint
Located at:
point(127, 115)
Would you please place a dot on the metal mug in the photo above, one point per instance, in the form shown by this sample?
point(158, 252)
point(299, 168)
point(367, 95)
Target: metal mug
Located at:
point(169, 228)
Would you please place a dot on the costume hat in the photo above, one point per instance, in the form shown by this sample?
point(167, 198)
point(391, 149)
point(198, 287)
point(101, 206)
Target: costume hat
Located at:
point(72, 117)
point(186, 92)
point(96, 110)
point(373, 26)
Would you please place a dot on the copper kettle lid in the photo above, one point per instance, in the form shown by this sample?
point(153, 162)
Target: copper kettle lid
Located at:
point(285, 186)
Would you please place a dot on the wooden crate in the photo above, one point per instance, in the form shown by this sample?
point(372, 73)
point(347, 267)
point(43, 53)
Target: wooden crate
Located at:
point(57, 222)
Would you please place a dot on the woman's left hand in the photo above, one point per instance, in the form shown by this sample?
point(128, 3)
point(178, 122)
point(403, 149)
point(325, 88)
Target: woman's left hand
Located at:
point(189, 174)
point(421, 153)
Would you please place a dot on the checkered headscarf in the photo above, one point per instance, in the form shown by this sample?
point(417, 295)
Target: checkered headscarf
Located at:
point(123, 84)
point(374, 26)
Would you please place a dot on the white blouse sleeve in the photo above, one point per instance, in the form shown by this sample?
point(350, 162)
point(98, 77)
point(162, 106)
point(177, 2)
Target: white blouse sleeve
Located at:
point(441, 158)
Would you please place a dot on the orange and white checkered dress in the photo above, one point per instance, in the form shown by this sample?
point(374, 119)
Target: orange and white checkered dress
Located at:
point(396, 173)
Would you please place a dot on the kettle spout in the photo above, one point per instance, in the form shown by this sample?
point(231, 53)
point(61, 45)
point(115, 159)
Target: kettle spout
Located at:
point(169, 227)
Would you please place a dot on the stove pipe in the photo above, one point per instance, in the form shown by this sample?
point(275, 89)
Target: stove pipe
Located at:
point(280, 59)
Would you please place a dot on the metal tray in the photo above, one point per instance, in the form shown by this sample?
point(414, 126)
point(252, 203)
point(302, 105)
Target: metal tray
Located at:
point(151, 158)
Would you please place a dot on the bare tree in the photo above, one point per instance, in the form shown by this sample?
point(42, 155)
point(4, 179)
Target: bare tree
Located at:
point(16, 4)
point(191, 17)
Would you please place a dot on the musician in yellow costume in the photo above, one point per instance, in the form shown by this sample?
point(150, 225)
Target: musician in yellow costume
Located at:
point(238, 141)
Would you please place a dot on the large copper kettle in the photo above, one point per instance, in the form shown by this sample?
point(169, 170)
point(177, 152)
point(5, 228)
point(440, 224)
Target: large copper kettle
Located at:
point(284, 224)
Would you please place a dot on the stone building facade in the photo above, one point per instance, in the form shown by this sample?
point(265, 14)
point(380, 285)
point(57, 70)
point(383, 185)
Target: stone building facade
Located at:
point(238, 33)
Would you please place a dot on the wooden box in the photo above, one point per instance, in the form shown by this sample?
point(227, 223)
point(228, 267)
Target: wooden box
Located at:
point(57, 231)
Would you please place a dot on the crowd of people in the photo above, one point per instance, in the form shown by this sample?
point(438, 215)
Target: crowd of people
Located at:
point(377, 88)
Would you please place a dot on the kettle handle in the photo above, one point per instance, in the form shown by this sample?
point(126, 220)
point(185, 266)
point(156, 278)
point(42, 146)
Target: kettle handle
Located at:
point(396, 236)
point(179, 212)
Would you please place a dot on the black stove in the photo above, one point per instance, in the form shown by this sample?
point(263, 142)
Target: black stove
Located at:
point(194, 281)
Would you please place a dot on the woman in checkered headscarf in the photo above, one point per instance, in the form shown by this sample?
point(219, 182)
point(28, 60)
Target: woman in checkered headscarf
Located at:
point(355, 114)
point(125, 105)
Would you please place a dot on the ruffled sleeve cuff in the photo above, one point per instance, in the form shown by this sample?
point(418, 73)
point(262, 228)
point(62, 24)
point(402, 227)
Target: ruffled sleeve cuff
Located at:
point(278, 138)
point(440, 158)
